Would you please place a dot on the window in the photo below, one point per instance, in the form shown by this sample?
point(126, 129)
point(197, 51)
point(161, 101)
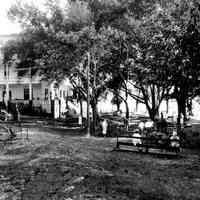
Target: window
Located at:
point(55, 92)
point(10, 95)
point(3, 95)
point(26, 93)
point(46, 93)
point(5, 70)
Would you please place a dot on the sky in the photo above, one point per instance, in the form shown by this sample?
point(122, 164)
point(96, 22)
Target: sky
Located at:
point(7, 26)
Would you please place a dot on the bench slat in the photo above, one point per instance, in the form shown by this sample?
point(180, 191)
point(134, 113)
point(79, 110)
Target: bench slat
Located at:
point(169, 148)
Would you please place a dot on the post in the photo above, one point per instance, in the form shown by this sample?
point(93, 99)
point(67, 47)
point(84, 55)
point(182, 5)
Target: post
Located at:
point(117, 145)
point(30, 87)
point(88, 96)
point(7, 86)
point(94, 109)
point(80, 119)
point(167, 106)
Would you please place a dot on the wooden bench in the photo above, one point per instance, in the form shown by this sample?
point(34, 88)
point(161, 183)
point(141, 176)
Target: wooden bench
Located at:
point(147, 143)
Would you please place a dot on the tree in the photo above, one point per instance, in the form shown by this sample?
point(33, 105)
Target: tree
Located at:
point(24, 46)
point(185, 54)
point(164, 55)
point(149, 39)
point(103, 60)
point(69, 39)
point(146, 51)
point(146, 63)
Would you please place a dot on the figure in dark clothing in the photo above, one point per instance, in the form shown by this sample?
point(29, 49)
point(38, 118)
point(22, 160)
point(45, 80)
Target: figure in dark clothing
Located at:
point(162, 124)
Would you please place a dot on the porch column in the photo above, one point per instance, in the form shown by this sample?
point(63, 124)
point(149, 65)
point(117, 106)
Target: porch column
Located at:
point(30, 87)
point(30, 91)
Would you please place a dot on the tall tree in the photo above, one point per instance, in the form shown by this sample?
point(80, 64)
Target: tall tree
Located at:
point(185, 54)
point(149, 39)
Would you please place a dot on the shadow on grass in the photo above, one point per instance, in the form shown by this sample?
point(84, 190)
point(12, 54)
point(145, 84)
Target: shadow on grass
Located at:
point(153, 153)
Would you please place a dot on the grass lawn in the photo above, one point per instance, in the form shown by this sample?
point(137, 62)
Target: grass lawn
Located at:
point(56, 167)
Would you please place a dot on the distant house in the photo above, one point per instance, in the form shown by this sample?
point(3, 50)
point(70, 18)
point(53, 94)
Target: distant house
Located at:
point(31, 89)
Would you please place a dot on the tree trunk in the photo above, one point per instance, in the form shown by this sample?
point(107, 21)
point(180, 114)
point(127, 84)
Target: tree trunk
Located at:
point(81, 110)
point(127, 115)
point(127, 109)
point(152, 113)
point(181, 110)
point(167, 106)
point(152, 110)
point(136, 106)
point(189, 106)
point(184, 112)
point(118, 105)
point(94, 116)
point(179, 117)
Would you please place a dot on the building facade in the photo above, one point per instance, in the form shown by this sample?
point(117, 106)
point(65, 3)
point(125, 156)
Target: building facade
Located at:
point(32, 89)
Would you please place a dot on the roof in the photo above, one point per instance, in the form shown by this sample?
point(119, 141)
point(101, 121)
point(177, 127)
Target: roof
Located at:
point(5, 38)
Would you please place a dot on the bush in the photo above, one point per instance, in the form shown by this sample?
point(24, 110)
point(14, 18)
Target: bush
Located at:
point(190, 138)
point(112, 131)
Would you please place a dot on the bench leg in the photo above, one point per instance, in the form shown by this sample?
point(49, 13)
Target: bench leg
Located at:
point(140, 149)
point(117, 145)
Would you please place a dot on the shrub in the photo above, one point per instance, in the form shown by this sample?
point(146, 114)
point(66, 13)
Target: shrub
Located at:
point(112, 131)
point(190, 138)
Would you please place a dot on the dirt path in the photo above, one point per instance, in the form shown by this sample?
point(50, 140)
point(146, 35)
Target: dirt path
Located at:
point(55, 167)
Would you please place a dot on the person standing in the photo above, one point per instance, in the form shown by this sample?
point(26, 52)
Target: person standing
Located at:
point(141, 126)
point(18, 113)
point(80, 121)
point(175, 140)
point(104, 127)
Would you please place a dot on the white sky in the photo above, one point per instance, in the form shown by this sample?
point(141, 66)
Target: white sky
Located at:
point(7, 26)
